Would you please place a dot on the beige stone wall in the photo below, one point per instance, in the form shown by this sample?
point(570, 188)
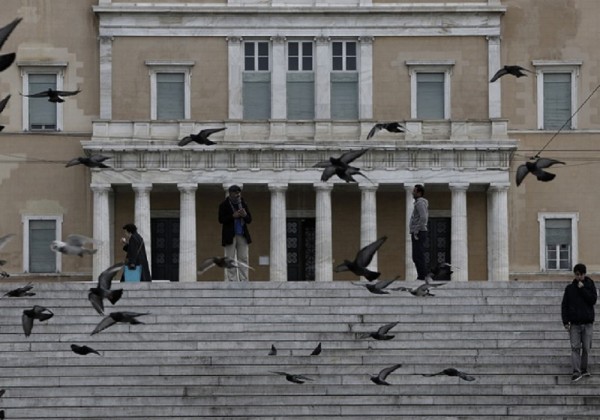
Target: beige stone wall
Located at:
point(391, 78)
point(131, 79)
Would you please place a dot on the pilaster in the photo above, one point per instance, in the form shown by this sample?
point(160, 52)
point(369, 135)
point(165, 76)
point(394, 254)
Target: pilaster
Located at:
point(459, 249)
point(323, 232)
point(278, 258)
point(187, 233)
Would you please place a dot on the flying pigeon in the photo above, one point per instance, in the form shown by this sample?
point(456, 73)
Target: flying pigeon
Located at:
point(377, 287)
point(392, 127)
point(3, 103)
point(297, 379)
point(37, 312)
point(381, 333)
point(317, 350)
point(102, 290)
point(362, 260)
point(21, 291)
point(93, 161)
point(442, 271)
point(421, 290)
point(55, 96)
point(273, 351)
point(379, 379)
point(83, 350)
point(514, 70)
point(5, 31)
point(201, 137)
point(74, 245)
point(223, 262)
point(6, 60)
point(453, 372)
point(340, 166)
point(537, 168)
point(6, 239)
point(118, 317)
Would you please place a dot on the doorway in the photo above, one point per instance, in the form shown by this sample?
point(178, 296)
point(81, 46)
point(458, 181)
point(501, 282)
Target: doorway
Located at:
point(165, 248)
point(437, 244)
point(300, 248)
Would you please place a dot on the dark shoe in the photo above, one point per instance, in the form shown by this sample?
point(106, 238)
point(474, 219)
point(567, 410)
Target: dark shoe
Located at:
point(576, 376)
point(586, 374)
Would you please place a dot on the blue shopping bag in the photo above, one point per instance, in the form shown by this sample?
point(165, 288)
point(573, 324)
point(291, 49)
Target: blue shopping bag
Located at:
point(133, 274)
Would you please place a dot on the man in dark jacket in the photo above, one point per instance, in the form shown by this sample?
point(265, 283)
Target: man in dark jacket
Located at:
point(578, 318)
point(234, 216)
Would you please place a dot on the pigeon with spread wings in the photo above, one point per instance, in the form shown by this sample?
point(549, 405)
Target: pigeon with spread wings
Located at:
point(7, 59)
point(363, 258)
point(453, 372)
point(201, 137)
point(341, 166)
point(113, 318)
point(537, 168)
point(37, 312)
point(516, 71)
point(379, 379)
point(102, 290)
point(55, 96)
point(381, 333)
point(392, 127)
point(297, 379)
point(74, 245)
point(21, 291)
point(223, 262)
point(93, 161)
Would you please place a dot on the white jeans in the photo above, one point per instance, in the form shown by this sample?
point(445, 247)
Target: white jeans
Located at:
point(238, 250)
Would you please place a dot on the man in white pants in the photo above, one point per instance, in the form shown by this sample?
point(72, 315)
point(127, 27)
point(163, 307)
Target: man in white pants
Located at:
point(234, 216)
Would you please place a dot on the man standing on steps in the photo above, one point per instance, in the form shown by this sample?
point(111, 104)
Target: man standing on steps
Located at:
point(578, 303)
point(418, 232)
point(235, 217)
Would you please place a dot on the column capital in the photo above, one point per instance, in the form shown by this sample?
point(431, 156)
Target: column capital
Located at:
point(364, 186)
point(187, 187)
point(278, 39)
point(409, 187)
point(459, 186)
point(106, 39)
point(101, 188)
point(141, 187)
point(499, 186)
point(323, 186)
point(322, 40)
point(366, 39)
point(493, 39)
point(234, 39)
point(278, 186)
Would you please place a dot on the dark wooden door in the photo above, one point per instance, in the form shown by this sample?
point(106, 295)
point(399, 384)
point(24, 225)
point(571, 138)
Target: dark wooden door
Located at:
point(437, 245)
point(165, 248)
point(300, 249)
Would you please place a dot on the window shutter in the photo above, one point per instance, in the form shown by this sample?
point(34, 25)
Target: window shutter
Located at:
point(430, 96)
point(170, 89)
point(301, 96)
point(558, 231)
point(42, 113)
point(257, 96)
point(344, 96)
point(41, 258)
point(557, 99)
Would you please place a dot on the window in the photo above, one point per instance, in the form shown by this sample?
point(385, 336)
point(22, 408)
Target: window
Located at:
point(556, 93)
point(38, 234)
point(39, 114)
point(256, 90)
point(170, 90)
point(344, 80)
point(558, 240)
point(430, 89)
point(300, 81)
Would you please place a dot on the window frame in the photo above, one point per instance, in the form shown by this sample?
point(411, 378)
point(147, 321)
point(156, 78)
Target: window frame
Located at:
point(300, 56)
point(443, 66)
point(185, 67)
point(549, 66)
point(25, 219)
point(345, 55)
point(542, 217)
point(256, 55)
point(28, 68)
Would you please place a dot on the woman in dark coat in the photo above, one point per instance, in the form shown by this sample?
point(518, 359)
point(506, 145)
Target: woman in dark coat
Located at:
point(135, 248)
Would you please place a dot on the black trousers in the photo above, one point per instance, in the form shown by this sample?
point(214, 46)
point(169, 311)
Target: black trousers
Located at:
point(418, 255)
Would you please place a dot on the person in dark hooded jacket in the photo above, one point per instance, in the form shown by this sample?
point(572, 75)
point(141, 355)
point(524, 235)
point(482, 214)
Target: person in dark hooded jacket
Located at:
point(578, 316)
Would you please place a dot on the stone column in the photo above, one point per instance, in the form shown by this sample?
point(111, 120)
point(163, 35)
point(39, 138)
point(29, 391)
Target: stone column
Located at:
point(278, 255)
point(368, 218)
point(459, 247)
point(410, 270)
point(105, 48)
point(101, 229)
point(187, 233)
point(497, 232)
point(365, 81)
point(494, 89)
point(323, 232)
point(142, 215)
point(322, 82)
point(236, 67)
